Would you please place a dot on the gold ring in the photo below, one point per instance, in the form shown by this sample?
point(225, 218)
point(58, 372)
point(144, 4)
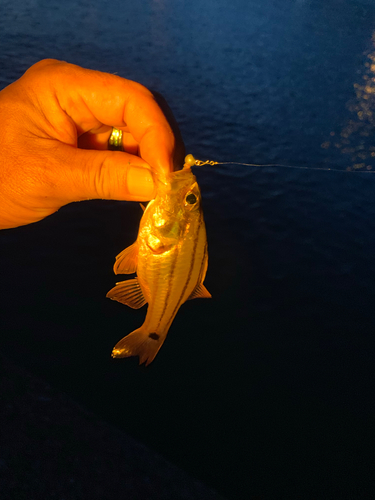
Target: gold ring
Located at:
point(115, 140)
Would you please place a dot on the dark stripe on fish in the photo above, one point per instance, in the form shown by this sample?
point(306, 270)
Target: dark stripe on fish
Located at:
point(156, 283)
point(190, 272)
point(170, 283)
point(205, 252)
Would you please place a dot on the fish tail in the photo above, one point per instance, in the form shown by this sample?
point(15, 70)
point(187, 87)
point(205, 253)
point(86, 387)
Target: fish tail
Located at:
point(139, 343)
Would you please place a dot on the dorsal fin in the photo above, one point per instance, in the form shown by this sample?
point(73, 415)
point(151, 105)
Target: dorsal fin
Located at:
point(127, 260)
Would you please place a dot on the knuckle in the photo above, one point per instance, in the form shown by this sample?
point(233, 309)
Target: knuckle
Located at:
point(102, 181)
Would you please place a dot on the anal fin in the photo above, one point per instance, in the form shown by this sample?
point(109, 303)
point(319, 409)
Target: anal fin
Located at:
point(128, 292)
point(200, 292)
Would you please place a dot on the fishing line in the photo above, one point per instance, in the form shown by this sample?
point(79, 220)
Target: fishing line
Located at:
point(191, 161)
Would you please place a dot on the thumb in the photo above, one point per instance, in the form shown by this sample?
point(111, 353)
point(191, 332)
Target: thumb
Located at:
point(110, 175)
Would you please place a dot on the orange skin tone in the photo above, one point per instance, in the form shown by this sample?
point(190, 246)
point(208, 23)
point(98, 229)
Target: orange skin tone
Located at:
point(55, 124)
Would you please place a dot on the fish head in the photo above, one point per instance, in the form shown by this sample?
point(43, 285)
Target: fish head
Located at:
point(173, 212)
point(178, 194)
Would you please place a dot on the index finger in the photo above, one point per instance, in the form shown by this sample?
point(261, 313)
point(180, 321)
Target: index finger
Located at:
point(91, 98)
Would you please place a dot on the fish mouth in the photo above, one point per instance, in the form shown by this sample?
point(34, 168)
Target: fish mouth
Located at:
point(173, 180)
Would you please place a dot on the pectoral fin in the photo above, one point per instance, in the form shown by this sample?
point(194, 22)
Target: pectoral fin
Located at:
point(128, 292)
point(200, 292)
point(127, 260)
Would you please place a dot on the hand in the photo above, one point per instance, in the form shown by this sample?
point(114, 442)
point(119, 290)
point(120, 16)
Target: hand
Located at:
point(55, 124)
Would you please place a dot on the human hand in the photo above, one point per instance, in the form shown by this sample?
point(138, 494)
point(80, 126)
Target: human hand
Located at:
point(55, 124)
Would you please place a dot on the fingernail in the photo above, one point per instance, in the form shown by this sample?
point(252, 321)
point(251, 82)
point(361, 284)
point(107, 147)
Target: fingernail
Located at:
point(140, 183)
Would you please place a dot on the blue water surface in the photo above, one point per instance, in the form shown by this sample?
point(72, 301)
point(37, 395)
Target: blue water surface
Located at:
point(267, 390)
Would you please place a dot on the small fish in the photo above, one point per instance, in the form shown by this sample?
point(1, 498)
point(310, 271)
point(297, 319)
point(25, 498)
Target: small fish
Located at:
point(170, 258)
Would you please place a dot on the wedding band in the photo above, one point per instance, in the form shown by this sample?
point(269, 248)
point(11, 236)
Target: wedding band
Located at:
point(115, 140)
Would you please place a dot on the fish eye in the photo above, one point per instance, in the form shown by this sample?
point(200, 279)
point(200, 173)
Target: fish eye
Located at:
point(191, 199)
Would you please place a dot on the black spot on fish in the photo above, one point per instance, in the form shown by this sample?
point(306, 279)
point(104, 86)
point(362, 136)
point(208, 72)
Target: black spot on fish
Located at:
point(154, 336)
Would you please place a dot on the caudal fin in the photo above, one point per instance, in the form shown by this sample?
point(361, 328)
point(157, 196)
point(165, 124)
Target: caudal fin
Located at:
point(139, 343)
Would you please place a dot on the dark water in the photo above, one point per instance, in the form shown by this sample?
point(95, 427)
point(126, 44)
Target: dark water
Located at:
point(267, 390)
